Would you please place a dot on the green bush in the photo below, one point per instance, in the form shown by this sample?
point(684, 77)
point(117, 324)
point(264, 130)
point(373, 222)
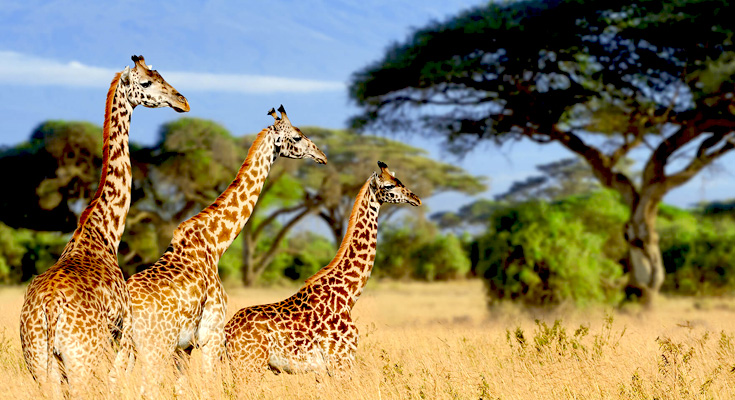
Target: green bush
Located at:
point(698, 252)
point(547, 253)
point(304, 254)
point(441, 259)
point(414, 249)
point(25, 253)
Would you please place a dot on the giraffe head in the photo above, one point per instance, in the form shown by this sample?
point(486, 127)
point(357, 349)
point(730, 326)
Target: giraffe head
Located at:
point(147, 87)
point(290, 142)
point(388, 189)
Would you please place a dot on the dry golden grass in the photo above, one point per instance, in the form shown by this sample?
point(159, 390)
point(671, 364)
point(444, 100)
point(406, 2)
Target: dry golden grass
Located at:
point(438, 341)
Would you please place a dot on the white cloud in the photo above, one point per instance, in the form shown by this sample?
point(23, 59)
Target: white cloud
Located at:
point(188, 81)
point(21, 69)
point(26, 70)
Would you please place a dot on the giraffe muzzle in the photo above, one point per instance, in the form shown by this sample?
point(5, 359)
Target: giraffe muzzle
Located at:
point(318, 156)
point(414, 200)
point(181, 105)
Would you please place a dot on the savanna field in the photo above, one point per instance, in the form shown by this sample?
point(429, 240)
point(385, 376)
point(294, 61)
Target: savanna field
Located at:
point(439, 341)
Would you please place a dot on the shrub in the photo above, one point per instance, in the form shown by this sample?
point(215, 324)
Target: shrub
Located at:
point(414, 249)
point(25, 253)
point(547, 253)
point(303, 255)
point(698, 252)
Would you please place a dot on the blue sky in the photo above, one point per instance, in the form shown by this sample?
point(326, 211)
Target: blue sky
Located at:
point(234, 61)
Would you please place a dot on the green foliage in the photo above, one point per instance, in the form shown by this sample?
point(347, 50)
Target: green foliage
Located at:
point(231, 262)
point(563, 178)
point(720, 208)
point(24, 253)
point(199, 156)
point(353, 157)
point(476, 213)
point(698, 252)
point(77, 148)
point(11, 253)
point(466, 78)
point(60, 164)
point(304, 254)
point(545, 254)
point(299, 257)
point(414, 249)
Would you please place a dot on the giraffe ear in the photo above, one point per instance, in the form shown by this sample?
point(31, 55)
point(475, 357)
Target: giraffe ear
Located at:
point(278, 141)
point(125, 75)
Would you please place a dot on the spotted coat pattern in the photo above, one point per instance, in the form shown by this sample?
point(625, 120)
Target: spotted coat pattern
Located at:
point(179, 302)
point(313, 329)
point(72, 312)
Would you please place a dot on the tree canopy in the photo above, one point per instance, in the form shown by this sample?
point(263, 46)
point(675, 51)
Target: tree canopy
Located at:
point(600, 77)
point(52, 175)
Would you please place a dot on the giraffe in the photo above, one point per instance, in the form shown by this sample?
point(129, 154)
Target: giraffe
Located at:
point(313, 329)
point(179, 302)
point(72, 312)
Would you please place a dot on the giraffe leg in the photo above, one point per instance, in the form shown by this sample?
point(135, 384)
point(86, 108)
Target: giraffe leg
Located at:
point(39, 351)
point(86, 366)
point(211, 336)
point(155, 344)
point(181, 360)
point(56, 377)
point(342, 351)
point(155, 366)
point(248, 360)
point(212, 353)
point(34, 343)
point(125, 357)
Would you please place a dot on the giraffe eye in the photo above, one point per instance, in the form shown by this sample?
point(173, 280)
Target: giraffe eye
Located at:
point(389, 187)
point(296, 139)
point(146, 84)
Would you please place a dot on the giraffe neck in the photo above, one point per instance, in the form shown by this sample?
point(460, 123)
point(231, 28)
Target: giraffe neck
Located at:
point(346, 275)
point(102, 223)
point(219, 223)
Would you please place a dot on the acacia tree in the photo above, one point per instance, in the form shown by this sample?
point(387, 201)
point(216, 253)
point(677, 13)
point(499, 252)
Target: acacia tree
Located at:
point(558, 179)
point(600, 77)
point(296, 190)
point(52, 176)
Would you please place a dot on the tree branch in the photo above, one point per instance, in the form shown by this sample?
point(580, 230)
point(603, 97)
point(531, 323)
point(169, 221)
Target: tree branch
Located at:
point(138, 217)
point(273, 216)
point(600, 163)
point(654, 170)
point(268, 255)
point(699, 162)
point(621, 151)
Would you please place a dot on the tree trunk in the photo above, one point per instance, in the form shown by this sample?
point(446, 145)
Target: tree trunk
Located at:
point(644, 254)
point(248, 271)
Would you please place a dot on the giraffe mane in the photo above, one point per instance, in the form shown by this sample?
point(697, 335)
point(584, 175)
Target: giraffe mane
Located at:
point(251, 152)
point(105, 151)
point(348, 236)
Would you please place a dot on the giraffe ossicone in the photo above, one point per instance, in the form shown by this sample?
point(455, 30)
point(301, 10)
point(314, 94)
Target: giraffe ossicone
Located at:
point(313, 329)
point(72, 312)
point(179, 302)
